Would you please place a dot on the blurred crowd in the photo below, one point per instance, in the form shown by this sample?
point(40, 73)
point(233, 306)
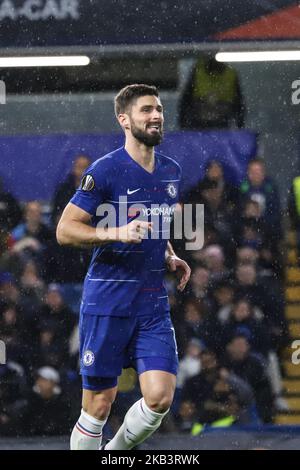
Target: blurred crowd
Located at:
point(229, 323)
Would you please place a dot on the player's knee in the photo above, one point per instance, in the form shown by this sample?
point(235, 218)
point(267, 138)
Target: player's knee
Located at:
point(98, 406)
point(159, 400)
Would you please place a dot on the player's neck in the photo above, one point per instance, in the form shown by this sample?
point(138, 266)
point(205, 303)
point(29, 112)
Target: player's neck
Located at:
point(143, 155)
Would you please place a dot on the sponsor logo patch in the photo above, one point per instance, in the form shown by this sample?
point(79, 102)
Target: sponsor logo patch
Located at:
point(172, 190)
point(87, 183)
point(88, 358)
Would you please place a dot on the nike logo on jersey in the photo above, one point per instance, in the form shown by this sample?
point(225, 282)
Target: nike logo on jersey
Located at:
point(133, 191)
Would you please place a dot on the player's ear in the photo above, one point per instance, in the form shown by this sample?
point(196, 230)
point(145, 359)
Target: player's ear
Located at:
point(124, 121)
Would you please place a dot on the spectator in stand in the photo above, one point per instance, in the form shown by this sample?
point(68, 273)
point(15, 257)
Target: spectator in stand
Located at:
point(10, 210)
point(49, 349)
point(205, 391)
point(263, 262)
point(67, 188)
point(270, 302)
point(10, 216)
point(45, 412)
point(262, 189)
point(31, 284)
point(9, 292)
point(214, 259)
point(214, 172)
point(225, 406)
point(190, 364)
point(59, 318)
point(211, 237)
point(222, 295)
point(247, 255)
point(186, 416)
point(226, 309)
point(218, 214)
point(252, 215)
point(13, 388)
point(5, 245)
point(212, 97)
point(252, 231)
point(241, 361)
point(221, 300)
point(250, 235)
point(33, 228)
point(192, 324)
point(25, 304)
point(32, 238)
point(199, 284)
point(199, 388)
point(244, 318)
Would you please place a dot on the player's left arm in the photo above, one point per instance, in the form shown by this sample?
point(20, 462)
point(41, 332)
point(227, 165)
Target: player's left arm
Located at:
point(175, 263)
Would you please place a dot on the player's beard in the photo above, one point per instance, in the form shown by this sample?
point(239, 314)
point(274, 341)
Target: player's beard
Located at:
point(145, 138)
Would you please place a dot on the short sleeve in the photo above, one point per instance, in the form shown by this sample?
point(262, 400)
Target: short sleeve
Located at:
point(92, 190)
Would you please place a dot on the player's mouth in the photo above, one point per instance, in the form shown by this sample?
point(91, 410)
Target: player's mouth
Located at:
point(156, 127)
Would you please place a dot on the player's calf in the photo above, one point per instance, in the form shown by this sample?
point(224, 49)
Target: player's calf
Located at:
point(139, 423)
point(87, 432)
point(97, 404)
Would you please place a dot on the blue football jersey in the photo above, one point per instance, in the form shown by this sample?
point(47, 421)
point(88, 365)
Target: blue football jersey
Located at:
point(119, 272)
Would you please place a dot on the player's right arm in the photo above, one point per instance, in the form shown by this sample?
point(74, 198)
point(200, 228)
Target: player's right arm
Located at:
point(75, 229)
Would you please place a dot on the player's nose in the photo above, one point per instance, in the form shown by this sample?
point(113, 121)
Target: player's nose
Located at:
point(157, 115)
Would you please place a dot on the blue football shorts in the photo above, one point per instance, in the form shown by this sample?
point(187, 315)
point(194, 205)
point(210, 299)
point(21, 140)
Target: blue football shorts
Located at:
point(109, 343)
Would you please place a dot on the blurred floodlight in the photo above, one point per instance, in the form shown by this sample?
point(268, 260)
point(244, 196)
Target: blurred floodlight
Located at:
point(257, 56)
point(44, 61)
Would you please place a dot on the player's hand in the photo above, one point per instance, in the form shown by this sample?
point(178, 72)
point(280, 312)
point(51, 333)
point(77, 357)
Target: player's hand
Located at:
point(177, 264)
point(134, 232)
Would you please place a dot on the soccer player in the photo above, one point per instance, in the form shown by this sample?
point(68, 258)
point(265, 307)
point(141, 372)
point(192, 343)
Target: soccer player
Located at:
point(125, 314)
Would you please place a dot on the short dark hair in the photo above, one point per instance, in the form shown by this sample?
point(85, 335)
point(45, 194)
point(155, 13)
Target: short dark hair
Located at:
point(256, 160)
point(130, 93)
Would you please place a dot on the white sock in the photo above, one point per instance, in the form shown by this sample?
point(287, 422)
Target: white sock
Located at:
point(87, 433)
point(139, 423)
